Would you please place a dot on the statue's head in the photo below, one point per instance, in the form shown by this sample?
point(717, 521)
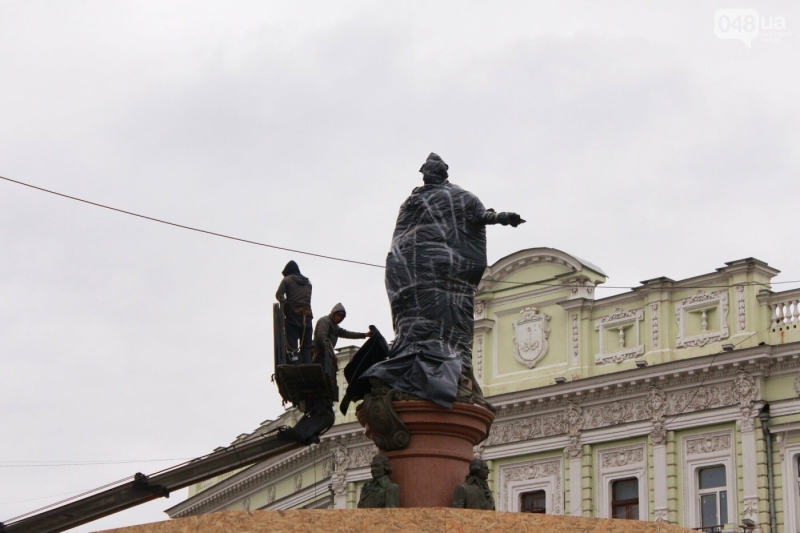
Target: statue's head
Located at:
point(479, 469)
point(434, 170)
point(380, 466)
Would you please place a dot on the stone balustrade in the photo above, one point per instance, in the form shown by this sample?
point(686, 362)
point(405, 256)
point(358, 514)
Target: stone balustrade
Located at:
point(784, 308)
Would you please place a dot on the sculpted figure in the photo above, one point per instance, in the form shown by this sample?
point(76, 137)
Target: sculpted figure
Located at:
point(380, 491)
point(474, 493)
point(434, 265)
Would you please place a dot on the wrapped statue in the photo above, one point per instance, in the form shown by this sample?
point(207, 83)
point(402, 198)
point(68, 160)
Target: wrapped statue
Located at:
point(436, 260)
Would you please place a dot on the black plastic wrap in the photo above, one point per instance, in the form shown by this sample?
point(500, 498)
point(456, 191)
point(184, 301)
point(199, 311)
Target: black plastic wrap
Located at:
point(435, 263)
point(370, 353)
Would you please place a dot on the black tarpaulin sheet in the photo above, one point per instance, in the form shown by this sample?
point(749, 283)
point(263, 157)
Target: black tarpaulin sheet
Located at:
point(435, 263)
point(370, 353)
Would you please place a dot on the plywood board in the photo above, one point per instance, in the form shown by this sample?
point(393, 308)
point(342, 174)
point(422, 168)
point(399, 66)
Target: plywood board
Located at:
point(428, 520)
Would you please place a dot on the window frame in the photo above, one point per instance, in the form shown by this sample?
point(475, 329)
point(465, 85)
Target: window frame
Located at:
point(712, 490)
point(789, 468)
point(692, 464)
point(533, 492)
point(627, 502)
point(513, 480)
point(607, 475)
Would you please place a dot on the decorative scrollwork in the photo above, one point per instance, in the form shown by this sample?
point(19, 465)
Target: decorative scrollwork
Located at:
point(389, 432)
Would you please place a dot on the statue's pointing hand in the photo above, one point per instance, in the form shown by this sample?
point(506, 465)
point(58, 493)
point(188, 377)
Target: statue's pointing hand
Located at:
point(510, 219)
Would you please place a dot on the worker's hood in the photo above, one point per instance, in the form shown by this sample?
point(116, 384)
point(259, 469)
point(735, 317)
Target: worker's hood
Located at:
point(291, 268)
point(338, 308)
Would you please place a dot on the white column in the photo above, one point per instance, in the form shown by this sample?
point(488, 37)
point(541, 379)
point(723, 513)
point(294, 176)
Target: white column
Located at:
point(660, 482)
point(749, 471)
point(575, 487)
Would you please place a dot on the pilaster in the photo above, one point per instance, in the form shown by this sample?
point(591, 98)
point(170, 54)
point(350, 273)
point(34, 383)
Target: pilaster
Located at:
point(587, 470)
point(352, 497)
point(575, 486)
point(672, 478)
point(744, 388)
point(579, 330)
point(660, 487)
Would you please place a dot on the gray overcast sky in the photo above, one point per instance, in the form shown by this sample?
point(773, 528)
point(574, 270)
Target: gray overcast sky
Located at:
point(626, 133)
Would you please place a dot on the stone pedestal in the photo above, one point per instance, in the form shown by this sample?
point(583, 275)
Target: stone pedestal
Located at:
point(437, 457)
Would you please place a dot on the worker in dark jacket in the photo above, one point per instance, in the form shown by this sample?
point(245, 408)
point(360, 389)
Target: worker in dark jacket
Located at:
point(328, 330)
point(294, 294)
point(326, 335)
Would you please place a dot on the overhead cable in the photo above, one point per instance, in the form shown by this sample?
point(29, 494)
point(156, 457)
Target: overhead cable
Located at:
point(20, 464)
point(342, 259)
point(190, 227)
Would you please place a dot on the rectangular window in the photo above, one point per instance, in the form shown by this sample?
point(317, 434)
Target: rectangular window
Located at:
point(533, 502)
point(713, 494)
point(625, 499)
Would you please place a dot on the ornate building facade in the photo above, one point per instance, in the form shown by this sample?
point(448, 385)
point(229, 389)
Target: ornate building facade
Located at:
point(676, 401)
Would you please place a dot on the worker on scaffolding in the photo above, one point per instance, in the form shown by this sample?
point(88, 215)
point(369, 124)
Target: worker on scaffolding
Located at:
point(326, 335)
point(294, 294)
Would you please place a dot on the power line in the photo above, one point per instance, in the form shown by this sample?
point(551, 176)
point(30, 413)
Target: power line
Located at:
point(21, 464)
point(50, 506)
point(43, 497)
point(207, 232)
point(190, 227)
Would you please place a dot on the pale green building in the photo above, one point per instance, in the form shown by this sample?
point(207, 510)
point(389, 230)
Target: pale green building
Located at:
point(647, 404)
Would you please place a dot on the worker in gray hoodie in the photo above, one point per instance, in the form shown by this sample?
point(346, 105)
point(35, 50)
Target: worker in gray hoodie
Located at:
point(319, 413)
point(326, 335)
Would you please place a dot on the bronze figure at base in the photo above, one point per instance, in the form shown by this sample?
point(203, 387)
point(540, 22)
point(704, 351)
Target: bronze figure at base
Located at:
point(380, 491)
point(475, 493)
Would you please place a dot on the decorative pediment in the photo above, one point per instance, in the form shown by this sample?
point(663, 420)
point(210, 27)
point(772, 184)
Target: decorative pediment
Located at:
point(566, 264)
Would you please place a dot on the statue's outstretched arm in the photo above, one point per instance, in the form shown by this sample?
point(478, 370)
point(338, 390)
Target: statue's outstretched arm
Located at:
point(506, 218)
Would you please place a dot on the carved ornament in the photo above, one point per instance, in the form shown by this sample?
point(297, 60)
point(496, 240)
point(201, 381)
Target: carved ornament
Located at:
point(622, 457)
point(388, 432)
point(708, 444)
point(530, 336)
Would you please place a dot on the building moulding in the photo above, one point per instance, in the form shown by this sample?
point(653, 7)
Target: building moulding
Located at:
point(702, 303)
point(620, 321)
point(526, 476)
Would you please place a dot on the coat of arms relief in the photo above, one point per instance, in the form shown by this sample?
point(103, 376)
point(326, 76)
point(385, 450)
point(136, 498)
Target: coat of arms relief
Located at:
point(530, 336)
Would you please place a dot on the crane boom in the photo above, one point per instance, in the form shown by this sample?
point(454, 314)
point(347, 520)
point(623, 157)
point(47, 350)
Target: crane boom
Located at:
point(143, 488)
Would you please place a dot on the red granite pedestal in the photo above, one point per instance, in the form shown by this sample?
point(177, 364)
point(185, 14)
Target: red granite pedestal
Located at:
point(437, 458)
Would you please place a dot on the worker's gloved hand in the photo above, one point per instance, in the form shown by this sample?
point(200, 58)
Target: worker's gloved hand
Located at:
point(510, 219)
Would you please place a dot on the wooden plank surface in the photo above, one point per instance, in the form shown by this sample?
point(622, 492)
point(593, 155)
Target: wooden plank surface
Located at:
point(429, 520)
